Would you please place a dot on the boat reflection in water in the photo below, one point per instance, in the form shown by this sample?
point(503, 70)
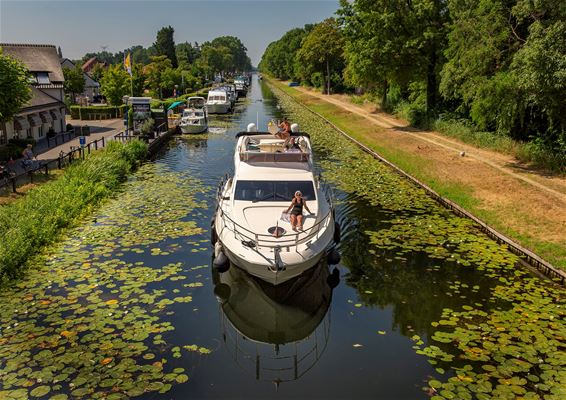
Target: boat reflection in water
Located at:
point(275, 333)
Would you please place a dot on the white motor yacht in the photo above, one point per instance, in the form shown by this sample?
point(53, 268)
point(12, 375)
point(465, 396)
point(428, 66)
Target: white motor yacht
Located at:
point(194, 118)
point(218, 102)
point(250, 228)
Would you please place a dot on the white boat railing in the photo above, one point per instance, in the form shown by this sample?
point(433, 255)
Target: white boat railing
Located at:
point(254, 239)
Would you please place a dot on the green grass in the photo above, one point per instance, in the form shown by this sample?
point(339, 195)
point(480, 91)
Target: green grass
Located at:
point(417, 166)
point(35, 220)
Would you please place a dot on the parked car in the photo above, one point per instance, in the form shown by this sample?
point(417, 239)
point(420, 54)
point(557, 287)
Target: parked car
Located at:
point(291, 84)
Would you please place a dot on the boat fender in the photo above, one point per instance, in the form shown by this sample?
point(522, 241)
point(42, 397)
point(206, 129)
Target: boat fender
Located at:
point(333, 257)
point(222, 292)
point(213, 236)
point(221, 262)
point(336, 232)
point(334, 278)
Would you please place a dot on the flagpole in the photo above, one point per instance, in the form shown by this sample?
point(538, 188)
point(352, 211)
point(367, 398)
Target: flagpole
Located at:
point(132, 74)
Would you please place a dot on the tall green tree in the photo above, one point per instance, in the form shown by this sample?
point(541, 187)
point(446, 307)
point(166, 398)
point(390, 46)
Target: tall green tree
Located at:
point(187, 54)
point(399, 42)
point(506, 64)
point(165, 44)
point(154, 74)
point(323, 51)
point(115, 84)
point(14, 86)
point(239, 60)
point(74, 81)
point(279, 59)
point(138, 80)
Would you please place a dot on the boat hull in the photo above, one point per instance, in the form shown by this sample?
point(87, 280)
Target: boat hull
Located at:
point(193, 128)
point(260, 261)
point(218, 108)
point(263, 272)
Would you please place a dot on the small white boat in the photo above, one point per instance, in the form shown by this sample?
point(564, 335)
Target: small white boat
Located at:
point(241, 86)
point(249, 226)
point(218, 102)
point(194, 118)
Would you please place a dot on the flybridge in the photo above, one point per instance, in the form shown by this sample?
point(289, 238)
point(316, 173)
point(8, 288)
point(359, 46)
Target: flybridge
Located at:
point(263, 147)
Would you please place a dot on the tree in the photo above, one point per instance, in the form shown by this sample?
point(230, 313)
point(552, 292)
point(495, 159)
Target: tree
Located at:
point(165, 45)
point(74, 81)
point(154, 74)
point(187, 54)
point(279, 58)
point(506, 63)
point(115, 84)
point(14, 86)
point(138, 80)
point(399, 42)
point(238, 60)
point(322, 50)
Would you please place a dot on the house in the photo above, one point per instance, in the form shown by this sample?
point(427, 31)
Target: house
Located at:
point(46, 109)
point(91, 63)
point(92, 87)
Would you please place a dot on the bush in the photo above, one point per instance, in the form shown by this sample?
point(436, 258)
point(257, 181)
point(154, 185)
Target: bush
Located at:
point(22, 143)
point(147, 128)
point(93, 112)
point(10, 151)
point(317, 80)
point(36, 219)
point(414, 113)
point(69, 127)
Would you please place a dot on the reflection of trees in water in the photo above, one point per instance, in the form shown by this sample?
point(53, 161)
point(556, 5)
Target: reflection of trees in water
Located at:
point(416, 286)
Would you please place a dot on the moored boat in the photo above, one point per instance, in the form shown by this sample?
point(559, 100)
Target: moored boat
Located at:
point(218, 102)
point(194, 118)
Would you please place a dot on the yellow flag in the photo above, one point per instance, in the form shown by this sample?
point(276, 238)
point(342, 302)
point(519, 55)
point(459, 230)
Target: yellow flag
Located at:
point(128, 63)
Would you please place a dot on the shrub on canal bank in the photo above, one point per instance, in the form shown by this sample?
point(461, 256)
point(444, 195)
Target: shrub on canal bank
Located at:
point(36, 219)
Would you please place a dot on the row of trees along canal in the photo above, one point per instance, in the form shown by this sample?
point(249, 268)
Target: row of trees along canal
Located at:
point(162, 67)
point(490, 66)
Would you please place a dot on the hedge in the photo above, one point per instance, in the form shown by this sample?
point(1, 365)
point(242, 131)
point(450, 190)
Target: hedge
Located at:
point(95, 112)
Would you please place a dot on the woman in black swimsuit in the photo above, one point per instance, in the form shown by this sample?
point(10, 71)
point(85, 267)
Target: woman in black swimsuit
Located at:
point(297, 205)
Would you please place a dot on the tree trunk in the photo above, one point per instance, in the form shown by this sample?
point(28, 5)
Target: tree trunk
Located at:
point(327, 77)
point(431, 84)
point(384, 96)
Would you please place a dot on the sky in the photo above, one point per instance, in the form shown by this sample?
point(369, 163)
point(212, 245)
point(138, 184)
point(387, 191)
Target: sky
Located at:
point(81, 26)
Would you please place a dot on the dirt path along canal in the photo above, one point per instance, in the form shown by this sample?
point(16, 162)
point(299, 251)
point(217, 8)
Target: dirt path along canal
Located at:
point(126, 305)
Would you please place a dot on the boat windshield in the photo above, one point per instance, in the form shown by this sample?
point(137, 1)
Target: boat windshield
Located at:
point(273, 190)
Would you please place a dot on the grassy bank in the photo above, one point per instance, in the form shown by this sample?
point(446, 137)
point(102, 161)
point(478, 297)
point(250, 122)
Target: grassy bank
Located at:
point(420, 167)
point(36, 219)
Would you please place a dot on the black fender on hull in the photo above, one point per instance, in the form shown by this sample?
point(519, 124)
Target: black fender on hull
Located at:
point(221, 262)
point(336, 232)
point(333, 257)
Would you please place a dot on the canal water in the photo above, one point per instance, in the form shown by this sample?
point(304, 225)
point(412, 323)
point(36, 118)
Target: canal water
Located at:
point(127, 305)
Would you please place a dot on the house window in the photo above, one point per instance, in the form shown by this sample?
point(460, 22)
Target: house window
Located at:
point(41, 130)
point(42, 78)
point(29, 133)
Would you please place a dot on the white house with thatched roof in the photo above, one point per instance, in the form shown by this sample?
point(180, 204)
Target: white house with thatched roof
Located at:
point(46, 109)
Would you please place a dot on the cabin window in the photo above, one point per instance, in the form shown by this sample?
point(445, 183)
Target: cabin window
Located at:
point(273, 191)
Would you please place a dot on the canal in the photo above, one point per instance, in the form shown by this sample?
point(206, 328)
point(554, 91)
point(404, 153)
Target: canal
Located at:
point(127, 305)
